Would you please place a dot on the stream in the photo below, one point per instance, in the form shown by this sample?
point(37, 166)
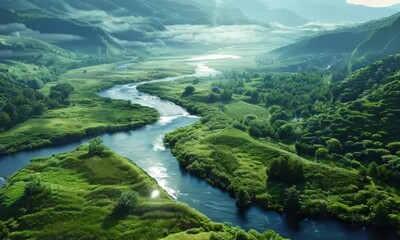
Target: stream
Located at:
point(145, 147)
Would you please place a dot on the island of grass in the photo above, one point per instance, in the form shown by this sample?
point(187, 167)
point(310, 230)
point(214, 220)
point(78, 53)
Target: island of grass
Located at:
point(93, 193)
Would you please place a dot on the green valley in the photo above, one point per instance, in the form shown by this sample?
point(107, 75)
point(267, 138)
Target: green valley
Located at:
point(208, 120)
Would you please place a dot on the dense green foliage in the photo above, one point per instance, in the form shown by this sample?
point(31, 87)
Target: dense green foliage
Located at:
point(281, 108)
point(365, 43)
point(98, 197)
point(71, 115)
point(96, 146)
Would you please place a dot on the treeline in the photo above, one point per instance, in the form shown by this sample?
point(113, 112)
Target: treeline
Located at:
point(20, 100)
point(351, 119)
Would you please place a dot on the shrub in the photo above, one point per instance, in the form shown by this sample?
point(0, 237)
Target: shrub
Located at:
point(243, 198)
point(226, 95)
point(96, 146)
point(216, 90)
point(322, 153)
point(126, 202)
point(36, 194)
point(241, 235)
point(189, 90)
point(292, 201)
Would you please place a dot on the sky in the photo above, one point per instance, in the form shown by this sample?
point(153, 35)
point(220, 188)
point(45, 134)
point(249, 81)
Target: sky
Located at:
point(375, 3)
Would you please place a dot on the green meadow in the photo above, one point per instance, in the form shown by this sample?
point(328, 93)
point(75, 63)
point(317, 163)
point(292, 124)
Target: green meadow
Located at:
point(88, 113)
point(81, 195)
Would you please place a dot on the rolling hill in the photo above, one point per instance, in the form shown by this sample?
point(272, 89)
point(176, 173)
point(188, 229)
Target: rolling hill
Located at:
point(336, 11)
point(369, 41)
point(109, 25)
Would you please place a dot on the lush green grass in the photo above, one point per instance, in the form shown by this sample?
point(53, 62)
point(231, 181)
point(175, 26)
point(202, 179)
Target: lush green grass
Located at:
point(222, 152)
point(81, 199)
point(88, 113)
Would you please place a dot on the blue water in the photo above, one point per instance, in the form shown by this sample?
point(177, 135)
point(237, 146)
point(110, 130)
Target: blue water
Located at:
point(145, 147)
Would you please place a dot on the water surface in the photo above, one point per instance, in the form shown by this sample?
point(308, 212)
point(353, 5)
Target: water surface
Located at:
point(145, 147)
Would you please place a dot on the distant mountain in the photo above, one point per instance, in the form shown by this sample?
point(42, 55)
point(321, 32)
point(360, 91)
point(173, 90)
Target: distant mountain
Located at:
point(88, 25)
point(368, 41)
point(334, 11)
point(258, 11)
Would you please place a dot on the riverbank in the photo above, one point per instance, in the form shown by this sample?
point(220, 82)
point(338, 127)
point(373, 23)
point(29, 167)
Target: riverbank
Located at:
point(220, 150)
point(88, 188)
point(89, 114)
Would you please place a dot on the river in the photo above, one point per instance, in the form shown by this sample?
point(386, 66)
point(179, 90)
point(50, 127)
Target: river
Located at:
point(145, 147)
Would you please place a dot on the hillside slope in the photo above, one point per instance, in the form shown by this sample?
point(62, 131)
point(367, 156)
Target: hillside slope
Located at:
point(334, 11)
point(366, 42)
point(96, 196)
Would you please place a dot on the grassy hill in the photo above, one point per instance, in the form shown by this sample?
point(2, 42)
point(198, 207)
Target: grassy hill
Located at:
point(245, 143)
point(98, 196)
point(366, 43)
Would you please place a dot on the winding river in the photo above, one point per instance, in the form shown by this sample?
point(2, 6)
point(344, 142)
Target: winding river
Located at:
point(145, 146)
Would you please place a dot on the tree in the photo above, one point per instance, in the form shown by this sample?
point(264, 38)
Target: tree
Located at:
point(286, 131)
point(373, 169)
point(36, 194)
point(243, 198)
point(333, 145)
point(126, 202)
point(4, 231)
point(189, 90)
point(255, 97)
point(380, 214)
point(241, 235)
point(322, 153)
point(65, 89)
point(216, 90)
point(226, 95)
point(96, 146)
point(292, 201)
point(4, 119)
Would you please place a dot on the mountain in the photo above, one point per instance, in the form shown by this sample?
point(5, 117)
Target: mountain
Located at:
point(258, 11)
point(88, 25)
point(334, 11)
point(371, 40)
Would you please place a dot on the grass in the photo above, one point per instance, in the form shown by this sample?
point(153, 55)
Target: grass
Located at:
point(232, 160)
point(88, 113)
point(83, 195)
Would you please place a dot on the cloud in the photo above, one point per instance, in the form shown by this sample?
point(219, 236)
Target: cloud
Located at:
point(111, 23)
point(228, 35)
point(374, 3)
point(19, 29)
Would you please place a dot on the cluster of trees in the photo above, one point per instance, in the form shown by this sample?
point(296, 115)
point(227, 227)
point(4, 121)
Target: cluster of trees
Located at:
point(18, 103)
point(299, 94)
point(20, 98)
point(218, 94)
point(59, 95)
point(287, 170)
point(363, 125)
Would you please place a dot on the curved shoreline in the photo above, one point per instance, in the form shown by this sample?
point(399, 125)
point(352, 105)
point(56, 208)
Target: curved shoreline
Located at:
point(224, 211)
